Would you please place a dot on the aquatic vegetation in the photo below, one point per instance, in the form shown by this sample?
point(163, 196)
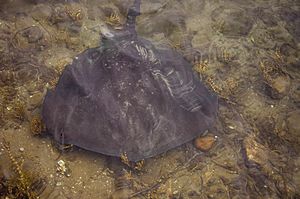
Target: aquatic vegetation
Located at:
point(224, 55)
point(68, 12)
point(201, 67)
point(6, 94)
point(124, 159)
point(224, 88)
point(219, 26)
point(18, 186)
point(11, 108)
point(273, 70)
point(268, 70)
point(36, 125)
point(215, 87)
point(75, 12)
point(272, 164)
point(230, 87)
point(60, 66)
point(53, 82)
point(139, 165)
point(18, 111)
point(113, 20)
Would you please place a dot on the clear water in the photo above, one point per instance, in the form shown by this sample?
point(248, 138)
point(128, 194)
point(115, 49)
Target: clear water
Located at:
point(247, 52)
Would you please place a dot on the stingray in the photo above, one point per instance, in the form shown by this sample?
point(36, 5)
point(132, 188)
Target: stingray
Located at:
point(128, 97)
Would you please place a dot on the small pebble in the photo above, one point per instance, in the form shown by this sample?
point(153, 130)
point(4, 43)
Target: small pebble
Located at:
point(205, 143)
point(21, 149)
point(231, 127)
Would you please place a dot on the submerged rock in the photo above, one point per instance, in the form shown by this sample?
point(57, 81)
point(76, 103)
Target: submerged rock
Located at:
point(33, 34)
point(292, 21)
point(232, 22)
point(293, 125)
point(205, 143)
point(280, 86)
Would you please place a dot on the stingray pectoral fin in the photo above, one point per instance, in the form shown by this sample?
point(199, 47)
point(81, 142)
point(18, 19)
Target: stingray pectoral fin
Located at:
point(73, 82)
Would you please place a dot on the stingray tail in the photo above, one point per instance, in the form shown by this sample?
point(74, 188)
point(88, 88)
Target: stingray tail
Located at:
point(133, 12)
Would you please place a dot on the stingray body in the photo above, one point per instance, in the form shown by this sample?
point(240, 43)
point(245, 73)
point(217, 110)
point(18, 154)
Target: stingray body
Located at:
point(127, 96)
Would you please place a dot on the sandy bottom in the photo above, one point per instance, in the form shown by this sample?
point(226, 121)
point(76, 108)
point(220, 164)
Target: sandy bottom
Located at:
point(249, 57)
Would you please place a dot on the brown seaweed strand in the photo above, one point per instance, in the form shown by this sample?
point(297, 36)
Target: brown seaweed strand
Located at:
point(25, 187)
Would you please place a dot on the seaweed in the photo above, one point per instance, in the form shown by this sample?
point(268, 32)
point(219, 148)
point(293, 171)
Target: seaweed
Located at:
point(22, 184)
point(36, 125)
point(138, 166)
point(74, 12)
point(113, 19)
point(7, 96)
point(224, 88)
point(18, 111)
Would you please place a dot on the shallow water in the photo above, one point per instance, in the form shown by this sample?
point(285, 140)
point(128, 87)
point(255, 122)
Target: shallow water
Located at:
point(248, 53)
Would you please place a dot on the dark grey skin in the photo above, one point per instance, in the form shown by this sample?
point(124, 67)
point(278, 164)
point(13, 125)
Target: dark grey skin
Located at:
point(128, 97)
